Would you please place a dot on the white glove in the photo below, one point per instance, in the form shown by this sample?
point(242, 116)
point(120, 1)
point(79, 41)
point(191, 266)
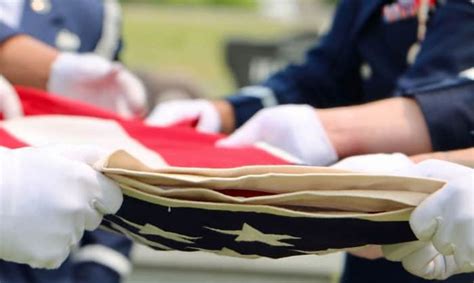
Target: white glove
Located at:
point(48, 197)
point(422, 259)
point(375, 163)
point(295, 129)
point(93, 79)
point(172, 112)
point(10, 105)
point(444, 224)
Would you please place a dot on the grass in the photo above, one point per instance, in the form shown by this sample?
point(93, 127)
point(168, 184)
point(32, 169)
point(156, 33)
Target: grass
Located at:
point(190, 40)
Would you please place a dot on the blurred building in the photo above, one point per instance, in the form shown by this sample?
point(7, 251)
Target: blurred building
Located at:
point(296, 10)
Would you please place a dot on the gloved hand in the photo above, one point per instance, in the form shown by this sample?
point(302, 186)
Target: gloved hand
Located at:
point(48, 197)
point(295, 129)
point(373, 163)
point(422, 259)
point(172, 112)
point(93, 79)
point(444, 224)
point(10, 105)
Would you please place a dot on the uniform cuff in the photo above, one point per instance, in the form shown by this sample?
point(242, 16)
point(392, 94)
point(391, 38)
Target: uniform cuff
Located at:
point(250, 100)
point(448, 114)
point(90, 272)
point(7, 32)
point(105, 257)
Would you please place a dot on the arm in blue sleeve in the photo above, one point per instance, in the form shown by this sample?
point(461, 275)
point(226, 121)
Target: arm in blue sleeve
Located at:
point(327, 78)
point(448, 111)
point(103, 257)
point(445, 97)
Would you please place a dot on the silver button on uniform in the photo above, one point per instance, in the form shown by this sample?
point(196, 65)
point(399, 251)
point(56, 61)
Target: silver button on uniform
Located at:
point(41, 6)
point(365, 71)
point(67, 41)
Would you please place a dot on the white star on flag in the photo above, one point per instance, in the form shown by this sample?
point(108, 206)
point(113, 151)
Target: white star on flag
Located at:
point(250, 234)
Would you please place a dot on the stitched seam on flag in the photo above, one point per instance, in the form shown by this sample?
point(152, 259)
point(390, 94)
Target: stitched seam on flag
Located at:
point(217, 178)
point(397, 215)
point(403, 198)
point(57, 129)
point(263, 182)
point(225, 172)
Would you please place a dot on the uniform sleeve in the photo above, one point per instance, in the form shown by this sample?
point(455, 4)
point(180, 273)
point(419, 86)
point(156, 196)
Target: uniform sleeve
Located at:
point(436, 80)
point(327, 78)
point(6, 32)
point(103, 257)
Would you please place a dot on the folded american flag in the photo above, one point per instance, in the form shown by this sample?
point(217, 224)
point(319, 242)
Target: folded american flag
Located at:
point(184, 193)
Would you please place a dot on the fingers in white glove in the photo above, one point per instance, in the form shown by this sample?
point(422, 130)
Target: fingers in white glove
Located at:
point(10, 104)
point(106, 198)
point(442, 170)
point(455, 229)
point(109, 200)
point(95, 80)
point(209, 119)
point(444, 222)
point(445, 213)
point(44, 214)
point(172, 112)
point(248, 134)
point(295, 129)
point(134, 93)
point(446, 218)
point(82, 68)
point(397, 252)
point(428, 263)
point(422, 260)
point(48, 258)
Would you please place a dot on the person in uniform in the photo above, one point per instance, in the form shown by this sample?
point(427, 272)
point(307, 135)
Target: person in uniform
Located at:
point(44, 216)
point(390, 76)
point(442, 222)
point(68, 48)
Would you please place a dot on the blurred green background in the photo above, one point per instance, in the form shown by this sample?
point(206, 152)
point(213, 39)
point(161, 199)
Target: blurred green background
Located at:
point(177, 37)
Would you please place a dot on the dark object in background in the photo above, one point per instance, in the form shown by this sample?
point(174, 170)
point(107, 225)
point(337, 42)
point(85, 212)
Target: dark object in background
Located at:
point(163, 87)
point(251, 61)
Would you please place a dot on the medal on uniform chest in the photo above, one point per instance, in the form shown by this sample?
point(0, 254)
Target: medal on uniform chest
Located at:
point(40, 6)
point(404, 9)
point(423, 12)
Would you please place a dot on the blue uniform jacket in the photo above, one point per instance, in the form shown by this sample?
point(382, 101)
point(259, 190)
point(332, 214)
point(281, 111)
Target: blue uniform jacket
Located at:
point(364, 58)
point(88, 267)
point(65, 22)
point(82, 19)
